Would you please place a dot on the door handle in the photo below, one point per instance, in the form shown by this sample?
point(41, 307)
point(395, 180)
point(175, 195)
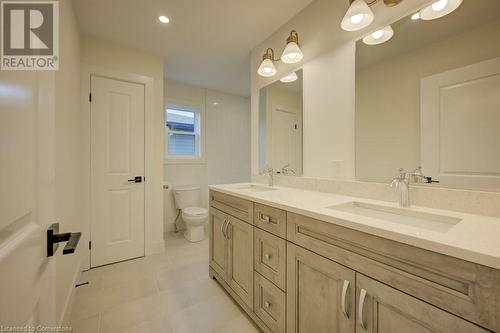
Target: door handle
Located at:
point(228, 236)
point(361, 306)
point(345, 287)
point(54, 238)
point(222, 227)
point(137, 179)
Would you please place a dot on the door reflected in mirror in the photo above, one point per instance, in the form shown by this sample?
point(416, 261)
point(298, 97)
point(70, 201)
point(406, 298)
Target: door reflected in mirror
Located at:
point(280, 125)
point(430, 97)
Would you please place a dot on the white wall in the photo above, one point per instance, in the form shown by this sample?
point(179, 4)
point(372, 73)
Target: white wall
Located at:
point(329, 89)
point(67, 154)
point(114, 57)
point(227, 146)
point(388, 120)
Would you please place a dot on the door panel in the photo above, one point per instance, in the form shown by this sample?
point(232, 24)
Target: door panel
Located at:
point(387, 310)
point(218, 243)
point(240, 255)
point(460, 122)
point(315, 294)
point(27, 208)
point(117, 155)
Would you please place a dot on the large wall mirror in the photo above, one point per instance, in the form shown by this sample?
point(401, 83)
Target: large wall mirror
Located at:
point(280, 125)
point(430, 97)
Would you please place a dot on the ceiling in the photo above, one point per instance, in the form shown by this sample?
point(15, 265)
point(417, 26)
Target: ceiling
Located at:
point(411, 35)
point(207, 42)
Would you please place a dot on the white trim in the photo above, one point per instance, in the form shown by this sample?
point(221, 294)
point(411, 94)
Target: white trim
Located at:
point(190, 106)
point(64, 320)
point(87, 71)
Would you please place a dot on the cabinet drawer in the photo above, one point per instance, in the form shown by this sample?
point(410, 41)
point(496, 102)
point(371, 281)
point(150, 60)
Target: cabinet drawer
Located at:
point(270, 257)
point(270, 219)
point(269, 304)
point(239, 208)
point(460, 287)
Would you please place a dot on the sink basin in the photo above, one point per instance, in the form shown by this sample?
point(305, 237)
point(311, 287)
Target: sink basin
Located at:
point(255, 188)
point(433, 222)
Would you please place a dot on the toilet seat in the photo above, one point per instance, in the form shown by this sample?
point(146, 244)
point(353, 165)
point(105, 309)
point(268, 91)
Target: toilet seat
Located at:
point(194, 212)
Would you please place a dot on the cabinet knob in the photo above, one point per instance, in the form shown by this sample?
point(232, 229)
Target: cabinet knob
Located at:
point(267, 256)
point(267, 304)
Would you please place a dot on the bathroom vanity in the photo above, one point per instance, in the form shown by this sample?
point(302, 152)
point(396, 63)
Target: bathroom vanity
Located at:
point(304, 261)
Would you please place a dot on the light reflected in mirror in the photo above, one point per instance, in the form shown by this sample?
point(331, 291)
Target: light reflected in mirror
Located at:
point(280, 125)
point(430, 97)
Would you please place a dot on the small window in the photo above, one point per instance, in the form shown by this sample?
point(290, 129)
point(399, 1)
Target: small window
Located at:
point(183, 133)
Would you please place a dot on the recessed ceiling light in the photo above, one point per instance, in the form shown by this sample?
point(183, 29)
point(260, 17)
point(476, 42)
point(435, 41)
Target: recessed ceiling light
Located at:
point(163, 19)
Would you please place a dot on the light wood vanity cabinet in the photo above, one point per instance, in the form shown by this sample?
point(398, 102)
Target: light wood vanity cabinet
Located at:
point(306, 275)
point(231, 253)
point(320, 296)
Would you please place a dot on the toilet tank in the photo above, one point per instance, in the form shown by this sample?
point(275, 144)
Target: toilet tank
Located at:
point(187, 196)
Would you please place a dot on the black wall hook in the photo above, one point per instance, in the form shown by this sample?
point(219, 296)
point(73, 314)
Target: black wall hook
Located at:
point(54, 238)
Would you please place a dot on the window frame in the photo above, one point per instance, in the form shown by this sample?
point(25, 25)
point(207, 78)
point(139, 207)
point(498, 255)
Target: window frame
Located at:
point(199, 133)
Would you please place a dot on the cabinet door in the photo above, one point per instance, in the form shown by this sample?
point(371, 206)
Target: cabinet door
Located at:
point(218, 242)
point(240, 254)
point(320, 294)
point(382, 309)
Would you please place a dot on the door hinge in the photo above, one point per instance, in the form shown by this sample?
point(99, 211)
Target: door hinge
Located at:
point(90, 97)
point(90, 245)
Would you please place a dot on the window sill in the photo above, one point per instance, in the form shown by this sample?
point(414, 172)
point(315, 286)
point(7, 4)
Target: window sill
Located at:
point(184, 161)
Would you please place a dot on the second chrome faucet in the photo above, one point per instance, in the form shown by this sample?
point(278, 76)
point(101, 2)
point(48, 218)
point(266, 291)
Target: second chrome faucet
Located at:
point(402, 183)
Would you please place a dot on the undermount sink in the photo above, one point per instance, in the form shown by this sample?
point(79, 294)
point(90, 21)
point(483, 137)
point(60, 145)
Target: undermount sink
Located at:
point(255, 188)
point(433, 222)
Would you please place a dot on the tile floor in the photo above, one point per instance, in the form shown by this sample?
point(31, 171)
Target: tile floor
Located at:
point(169, 293)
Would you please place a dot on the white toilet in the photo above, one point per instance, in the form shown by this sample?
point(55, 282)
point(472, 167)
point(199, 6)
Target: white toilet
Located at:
point(187, 199)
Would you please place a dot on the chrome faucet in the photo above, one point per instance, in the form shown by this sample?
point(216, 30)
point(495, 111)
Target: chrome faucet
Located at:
point(287, 170)
point(270, 172)
point(402, 183)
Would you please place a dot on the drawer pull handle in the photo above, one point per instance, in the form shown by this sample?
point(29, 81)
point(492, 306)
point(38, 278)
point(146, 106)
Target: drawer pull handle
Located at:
point(361, 306)
point(267, 305)
point(345, 288)
point(265, 218)
point(267, 256)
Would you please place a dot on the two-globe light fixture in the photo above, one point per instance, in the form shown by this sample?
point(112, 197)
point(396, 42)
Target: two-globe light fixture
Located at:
point(291, 55)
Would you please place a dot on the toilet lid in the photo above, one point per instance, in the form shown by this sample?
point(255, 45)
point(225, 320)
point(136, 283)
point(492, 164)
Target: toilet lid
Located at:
point(194, 211)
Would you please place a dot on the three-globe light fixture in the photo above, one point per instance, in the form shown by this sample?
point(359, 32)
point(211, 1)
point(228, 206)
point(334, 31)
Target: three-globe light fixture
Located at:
point(359, 16)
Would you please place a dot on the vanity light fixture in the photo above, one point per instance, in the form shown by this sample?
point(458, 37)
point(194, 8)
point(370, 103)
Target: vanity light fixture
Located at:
point(416, 16)
point(292, 52)
point(163, 19)
point(359, 15)
point(379, 36)
point(266, 68)
point(289, 78)
point(439, 9)
point(291, 55)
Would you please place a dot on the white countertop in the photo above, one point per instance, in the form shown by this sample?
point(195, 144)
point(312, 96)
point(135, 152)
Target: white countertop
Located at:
point(475, 238)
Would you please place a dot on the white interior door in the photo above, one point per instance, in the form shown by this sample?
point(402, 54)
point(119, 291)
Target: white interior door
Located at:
point(285, 139)
point(27, 276)
point(461, 126)
point(117, 157)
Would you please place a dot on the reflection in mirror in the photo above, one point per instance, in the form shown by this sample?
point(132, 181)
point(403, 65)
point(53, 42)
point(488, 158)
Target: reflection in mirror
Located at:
point(280, 125)
point(430, 97)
